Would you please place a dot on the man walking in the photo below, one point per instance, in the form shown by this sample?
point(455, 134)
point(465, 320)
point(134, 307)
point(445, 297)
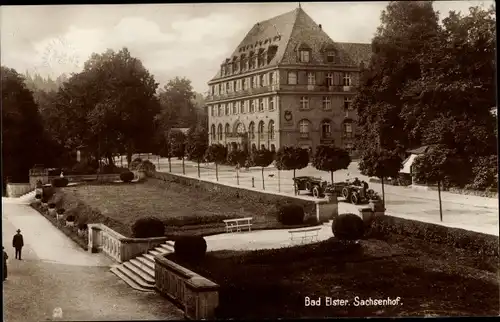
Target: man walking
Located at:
point(18, 243)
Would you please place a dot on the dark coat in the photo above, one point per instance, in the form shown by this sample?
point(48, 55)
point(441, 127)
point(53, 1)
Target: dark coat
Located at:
point(17, 241)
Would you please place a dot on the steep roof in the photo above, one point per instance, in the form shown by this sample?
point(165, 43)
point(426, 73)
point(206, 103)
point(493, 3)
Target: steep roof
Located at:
point(292, 30)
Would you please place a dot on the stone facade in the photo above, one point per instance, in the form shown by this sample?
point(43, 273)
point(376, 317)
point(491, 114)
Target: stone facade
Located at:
point(287, 83)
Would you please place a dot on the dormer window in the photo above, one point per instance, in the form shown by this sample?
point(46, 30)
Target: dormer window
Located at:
point(330, 57)
point(304, 56)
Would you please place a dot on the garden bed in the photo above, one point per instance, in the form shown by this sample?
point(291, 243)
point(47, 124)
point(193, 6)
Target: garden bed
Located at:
point(183, 209)
point(428, 278)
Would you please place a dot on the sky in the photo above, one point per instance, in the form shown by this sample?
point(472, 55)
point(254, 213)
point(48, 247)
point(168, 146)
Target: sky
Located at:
point(185, 40)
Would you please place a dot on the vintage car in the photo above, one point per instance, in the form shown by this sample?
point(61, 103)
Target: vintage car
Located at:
point(357, 192)
point(316, 186)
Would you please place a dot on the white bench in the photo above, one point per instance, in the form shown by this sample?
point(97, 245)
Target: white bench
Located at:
point(304, 234)
point(237, 224)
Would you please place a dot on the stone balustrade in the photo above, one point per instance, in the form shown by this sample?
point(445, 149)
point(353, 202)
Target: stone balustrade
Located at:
point(197, 296)
point(15, 190)
point(89, 177)
point(118, 247)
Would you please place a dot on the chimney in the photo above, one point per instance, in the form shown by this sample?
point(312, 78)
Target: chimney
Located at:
point(320, 28)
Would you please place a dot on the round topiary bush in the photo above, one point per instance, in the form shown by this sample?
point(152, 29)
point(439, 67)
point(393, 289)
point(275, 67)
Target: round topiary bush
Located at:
point(70, 218)
point(38, 196)
point(60, 182)
point(60, 211)
point(348, 227)
point(148, 227)
point(190, 248)
point(127, 176)
point(52, 205)
point(291, 214)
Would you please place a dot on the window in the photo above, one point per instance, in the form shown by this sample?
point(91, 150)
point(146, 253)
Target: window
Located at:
point(347, 128)
point(261, 105)
point(326, 129)
point(244, 84)
point(271, 130)
point(347, 103)
point(304, 56)
point(235, 86)
point(304, 103)
point(252, 82)
point(214, 111)
point(222, 71)
point(251, 130)
point(219, 132)
point(304, 128)
point(292, 78)
point(227, 129)
point(261, 80)
point(311, 78)
point(212, 131)
point(242, 107)
point(229, 107)
point(330, 57)
point(261, 130)
point(329, 79)
point(220, 88)
point(327, 103)
point(347, 79)
point(227, 87)
point(271, 78)
point(222, 107)
point(235, 107)
point(252, 106)
point(213, 90)
point(271, 103)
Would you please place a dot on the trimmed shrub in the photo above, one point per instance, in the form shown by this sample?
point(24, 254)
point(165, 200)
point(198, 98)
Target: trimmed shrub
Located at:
point(38, 196)
point(190, 248)
point(148, 167)
point(135, 163)
point(291, 214)
point(71, 218)
point(148, 227)
point(60, 211)
point(52, 205)
point(60, 182)
point(48, 192)
point(127, 176)
point(348, 227)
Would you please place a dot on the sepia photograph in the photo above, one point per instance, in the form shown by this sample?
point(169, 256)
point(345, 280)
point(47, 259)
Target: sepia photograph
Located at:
point(260, 160)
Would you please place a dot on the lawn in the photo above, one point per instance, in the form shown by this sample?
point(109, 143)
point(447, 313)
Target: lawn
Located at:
point(428, 278)
point(184, 210)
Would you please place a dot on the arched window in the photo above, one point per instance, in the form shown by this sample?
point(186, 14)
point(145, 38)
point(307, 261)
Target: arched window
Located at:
point(261, 130)
point(251, 130)
point(304, 128)
point(227, 129)
point(271, 130)
point(219, 132)
point(273, 148)
point(326, 129)
point(212, 131)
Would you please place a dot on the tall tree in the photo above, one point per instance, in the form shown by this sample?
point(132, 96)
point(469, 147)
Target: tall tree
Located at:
point(291, 158)
point(23, 141)
point(331, 158)
point(407, 29)
point(262, 158)
point(177, 100)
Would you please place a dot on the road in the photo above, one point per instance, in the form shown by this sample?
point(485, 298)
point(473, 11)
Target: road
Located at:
point(55, 273)
point(461, 211)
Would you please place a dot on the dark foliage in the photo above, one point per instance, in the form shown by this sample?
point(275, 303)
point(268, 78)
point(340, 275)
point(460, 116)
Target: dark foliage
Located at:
point(148, 227)
point(38, 196)
point(190, 248)
point(60, 182)
point(61, 211)
point(348, 227)
point(291, 214)
point(331, 158)
point(70, 218)
point(127, 176)
point(52, 205)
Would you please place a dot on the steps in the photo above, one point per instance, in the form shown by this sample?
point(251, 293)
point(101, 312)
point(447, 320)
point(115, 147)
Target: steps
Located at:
point(139, 272)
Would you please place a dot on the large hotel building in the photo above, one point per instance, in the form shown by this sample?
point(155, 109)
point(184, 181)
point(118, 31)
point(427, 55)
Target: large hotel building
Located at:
point(287, 83)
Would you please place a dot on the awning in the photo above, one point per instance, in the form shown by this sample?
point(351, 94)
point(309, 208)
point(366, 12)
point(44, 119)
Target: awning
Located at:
point(408, 163)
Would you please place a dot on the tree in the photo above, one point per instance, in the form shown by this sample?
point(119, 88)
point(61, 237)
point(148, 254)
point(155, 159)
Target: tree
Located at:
point(110, 104)
point(291, 158)
point(262, 158)
point(381, 164)
point(196, 149)
point(331, 158)
point(23, 140)
point(216, 153)
point(177, 141)
point(177, 100)
point(437, 165)
point(407, 30)
point(237, 158)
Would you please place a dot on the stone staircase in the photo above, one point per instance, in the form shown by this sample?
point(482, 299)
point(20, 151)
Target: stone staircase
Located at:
point(139, 272)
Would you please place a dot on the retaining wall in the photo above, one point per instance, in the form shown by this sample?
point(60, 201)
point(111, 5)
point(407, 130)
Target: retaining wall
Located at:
point(15, 190)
